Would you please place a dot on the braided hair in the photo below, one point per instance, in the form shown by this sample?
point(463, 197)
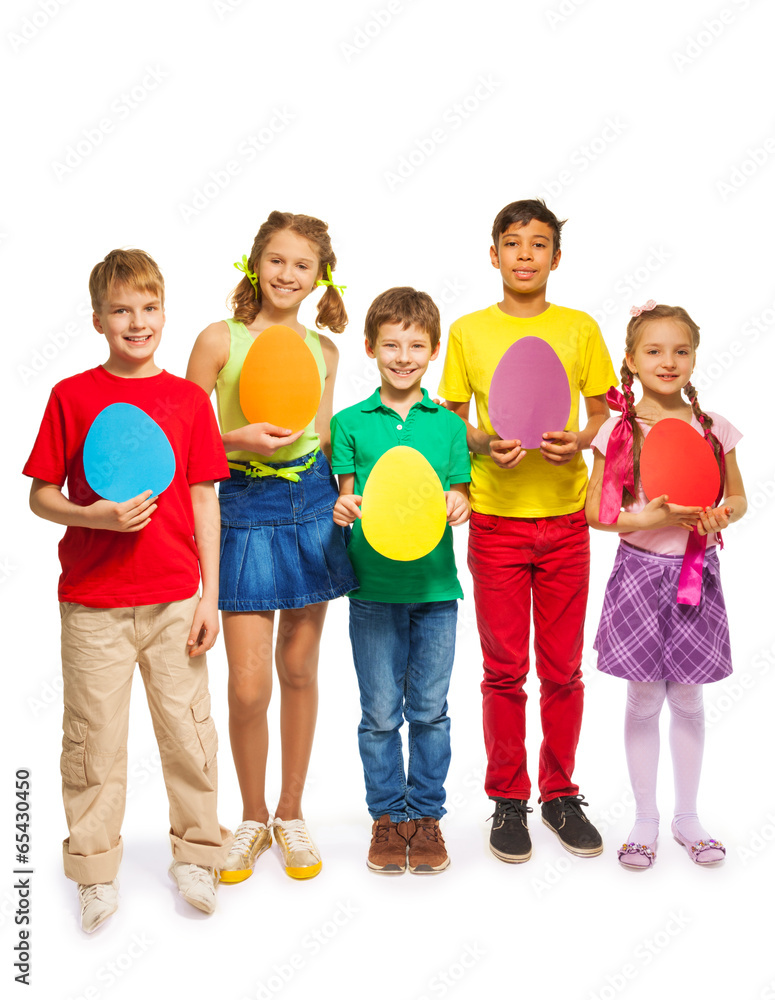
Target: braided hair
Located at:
point(634, 329)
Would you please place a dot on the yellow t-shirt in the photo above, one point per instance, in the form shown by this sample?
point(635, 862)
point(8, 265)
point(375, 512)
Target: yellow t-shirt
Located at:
point(477, 342)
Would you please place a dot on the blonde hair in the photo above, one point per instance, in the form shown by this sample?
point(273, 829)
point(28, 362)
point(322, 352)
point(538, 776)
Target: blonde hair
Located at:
point(245, 300)
point(134, 268)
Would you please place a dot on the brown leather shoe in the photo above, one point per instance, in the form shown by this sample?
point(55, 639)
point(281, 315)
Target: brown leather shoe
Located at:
point(427, 853)
point(387, 853)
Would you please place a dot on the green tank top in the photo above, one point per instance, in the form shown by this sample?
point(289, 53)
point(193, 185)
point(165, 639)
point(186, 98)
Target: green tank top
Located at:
point(230, 415)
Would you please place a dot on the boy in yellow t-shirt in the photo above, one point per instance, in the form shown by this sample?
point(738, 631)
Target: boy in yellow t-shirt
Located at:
point(528, 536)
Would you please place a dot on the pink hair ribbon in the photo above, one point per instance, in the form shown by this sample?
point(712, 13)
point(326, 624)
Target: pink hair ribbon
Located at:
point(690, 580)
point(646, 307)
point(618, 471)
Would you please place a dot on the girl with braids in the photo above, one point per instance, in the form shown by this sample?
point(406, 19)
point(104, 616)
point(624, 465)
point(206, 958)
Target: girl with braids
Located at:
point(662, 647)
point(280, 549)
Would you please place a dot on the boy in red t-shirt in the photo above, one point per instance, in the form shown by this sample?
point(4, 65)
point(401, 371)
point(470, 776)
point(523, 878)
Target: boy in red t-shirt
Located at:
point(129, 593)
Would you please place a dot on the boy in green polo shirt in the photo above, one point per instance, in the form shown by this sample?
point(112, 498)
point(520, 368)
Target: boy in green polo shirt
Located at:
point(404, 613)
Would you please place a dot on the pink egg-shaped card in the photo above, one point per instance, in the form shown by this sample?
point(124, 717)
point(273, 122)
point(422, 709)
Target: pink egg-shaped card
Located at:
point(529, 393)
point(678, 461)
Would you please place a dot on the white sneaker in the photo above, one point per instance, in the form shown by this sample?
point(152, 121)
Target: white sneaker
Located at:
point(98, 902)
point(196, 884)
point(250, 842)
point(301, 857)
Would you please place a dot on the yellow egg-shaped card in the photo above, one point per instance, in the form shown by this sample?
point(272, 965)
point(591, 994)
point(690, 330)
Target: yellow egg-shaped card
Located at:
point(280, 381)
point(404, 512)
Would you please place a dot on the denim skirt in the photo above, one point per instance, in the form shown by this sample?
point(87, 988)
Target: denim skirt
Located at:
point(280, 547)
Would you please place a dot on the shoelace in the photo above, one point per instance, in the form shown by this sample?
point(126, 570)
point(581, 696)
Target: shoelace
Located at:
point(200, 875)
point(573, 803)
point(382, 834)
point(96, 891)
point(510, 809)
point(296, 835)
point(244, 840)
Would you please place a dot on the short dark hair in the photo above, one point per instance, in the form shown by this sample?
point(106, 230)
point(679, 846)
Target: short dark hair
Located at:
point(522, 212)
point(403, 305)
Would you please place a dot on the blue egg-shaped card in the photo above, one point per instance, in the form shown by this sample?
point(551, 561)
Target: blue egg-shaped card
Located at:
point(529, 393)
point(126, 453)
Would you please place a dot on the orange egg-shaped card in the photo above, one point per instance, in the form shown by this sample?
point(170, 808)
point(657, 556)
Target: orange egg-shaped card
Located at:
point(280, 381)
point(404, 512)
point(678, 461)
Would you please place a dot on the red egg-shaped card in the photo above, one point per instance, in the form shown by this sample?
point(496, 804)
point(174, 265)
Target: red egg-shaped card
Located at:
point(678, 461)
point(280, 381)
point(404, 512)
point(529, 393)
point(126, 453)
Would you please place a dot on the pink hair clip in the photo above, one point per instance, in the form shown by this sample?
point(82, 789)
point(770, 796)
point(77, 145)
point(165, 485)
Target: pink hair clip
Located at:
point(646, 307)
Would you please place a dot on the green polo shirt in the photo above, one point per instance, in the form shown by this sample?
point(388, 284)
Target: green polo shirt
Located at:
point(360, 435)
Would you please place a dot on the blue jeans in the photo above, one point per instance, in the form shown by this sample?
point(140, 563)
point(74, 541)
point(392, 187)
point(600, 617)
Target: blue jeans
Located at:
point(403, 656)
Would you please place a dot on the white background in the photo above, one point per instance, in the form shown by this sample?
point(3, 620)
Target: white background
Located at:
point(643, 124)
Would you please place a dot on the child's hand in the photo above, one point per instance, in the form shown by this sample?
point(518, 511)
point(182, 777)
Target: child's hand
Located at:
point(458, 508)
point(347, 508)
point(265, 439)
point(204, 627)
point(714, 519)
point(559, 447)
point(131, 515)
point(506, 454)
point(659, 513)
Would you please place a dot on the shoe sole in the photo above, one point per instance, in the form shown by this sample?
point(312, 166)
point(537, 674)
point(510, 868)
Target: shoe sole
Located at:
point(580, 852)
point(700, 864)
point(428, 869)
point(511, 859)
point(235, 875)
point(309, 871)
point(390, 869)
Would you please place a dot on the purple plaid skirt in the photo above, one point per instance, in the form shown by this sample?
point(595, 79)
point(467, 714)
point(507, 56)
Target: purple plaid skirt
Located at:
point(644, 635)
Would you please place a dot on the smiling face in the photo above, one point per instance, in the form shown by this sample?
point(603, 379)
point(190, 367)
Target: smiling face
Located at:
point(663, 356)
point(525, 257)
point(131, 321)
point(402, 356)
point(287, 271)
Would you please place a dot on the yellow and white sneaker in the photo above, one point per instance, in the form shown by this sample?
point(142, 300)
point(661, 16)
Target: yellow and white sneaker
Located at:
point(250, 842)
point(300, 856)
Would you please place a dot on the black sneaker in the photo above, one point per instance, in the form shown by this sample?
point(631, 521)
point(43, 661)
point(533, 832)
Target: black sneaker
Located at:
point(564, 816)
point(509, 837)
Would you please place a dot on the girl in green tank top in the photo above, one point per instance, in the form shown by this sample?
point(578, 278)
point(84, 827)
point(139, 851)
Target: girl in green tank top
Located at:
point(280, 549)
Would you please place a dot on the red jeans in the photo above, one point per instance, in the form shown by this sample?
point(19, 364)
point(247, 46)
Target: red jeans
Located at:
point(511, 558)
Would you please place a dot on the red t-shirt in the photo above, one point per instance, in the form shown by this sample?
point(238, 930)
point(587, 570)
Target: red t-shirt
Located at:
point(113, 569)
